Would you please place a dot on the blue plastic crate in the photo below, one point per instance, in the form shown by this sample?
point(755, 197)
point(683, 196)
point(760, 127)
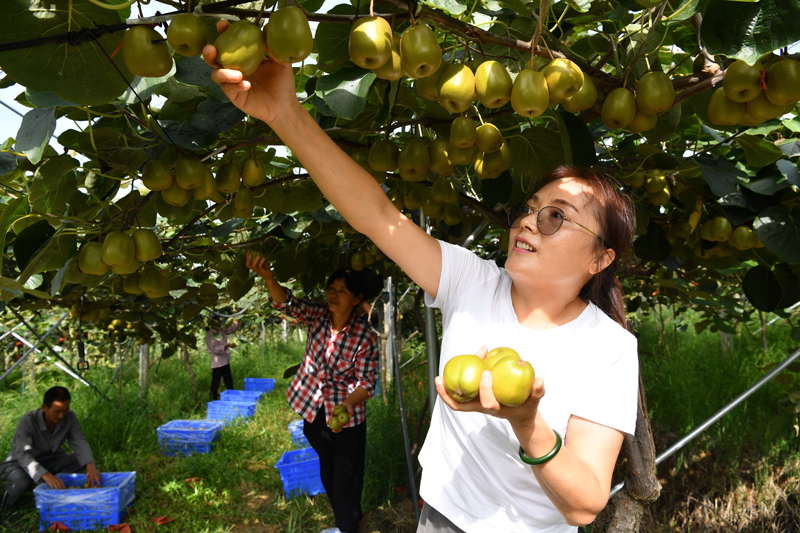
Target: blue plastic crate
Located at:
point(263, 384)
point(82, 509)
point(241, 395)
point(299, 471)
point(298, 437)
point(230, 411)
point(185, 437)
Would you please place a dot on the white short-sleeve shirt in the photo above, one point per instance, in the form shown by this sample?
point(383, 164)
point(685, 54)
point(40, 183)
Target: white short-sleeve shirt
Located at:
point(472, 473)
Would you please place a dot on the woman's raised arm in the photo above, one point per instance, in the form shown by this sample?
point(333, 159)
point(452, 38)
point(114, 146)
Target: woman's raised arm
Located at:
point(269, 94)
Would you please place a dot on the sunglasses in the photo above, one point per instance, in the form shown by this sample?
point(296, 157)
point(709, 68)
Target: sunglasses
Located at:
point(548, 221)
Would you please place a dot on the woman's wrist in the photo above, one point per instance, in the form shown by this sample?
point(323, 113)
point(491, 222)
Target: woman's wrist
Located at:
point(287, 120)
point(535, 436)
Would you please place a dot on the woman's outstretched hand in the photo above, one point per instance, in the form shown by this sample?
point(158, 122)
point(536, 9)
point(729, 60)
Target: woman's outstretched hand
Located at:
point(266, 94)
point(486, 403)
point(259, 265)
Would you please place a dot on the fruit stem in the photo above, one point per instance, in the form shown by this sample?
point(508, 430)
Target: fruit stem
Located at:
point(371, 8)
point(478, 113)
point(261, 11)
point(544, 7)
point(91, 131)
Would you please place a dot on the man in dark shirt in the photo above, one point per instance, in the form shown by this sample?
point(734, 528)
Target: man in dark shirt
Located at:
point(36, 453)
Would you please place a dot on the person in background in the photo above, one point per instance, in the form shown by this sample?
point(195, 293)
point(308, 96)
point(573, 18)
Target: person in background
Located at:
point(219, 351)
point(36, 455)
point(339, 368)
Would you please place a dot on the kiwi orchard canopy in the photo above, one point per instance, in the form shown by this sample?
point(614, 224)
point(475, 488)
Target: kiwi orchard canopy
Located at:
point(455, 108)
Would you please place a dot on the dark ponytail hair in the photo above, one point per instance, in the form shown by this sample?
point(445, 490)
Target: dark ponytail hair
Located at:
point(616, 217)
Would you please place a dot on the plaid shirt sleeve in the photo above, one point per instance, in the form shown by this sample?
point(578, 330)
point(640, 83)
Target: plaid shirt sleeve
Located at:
point(306, 311)
point(366, 367)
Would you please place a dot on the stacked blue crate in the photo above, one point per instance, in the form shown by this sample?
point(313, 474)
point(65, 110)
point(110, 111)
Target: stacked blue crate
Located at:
point(229, 412)
point(241, 395)
point(299, 470)
point(185, 437)
point(298, 437)
point(259, 384)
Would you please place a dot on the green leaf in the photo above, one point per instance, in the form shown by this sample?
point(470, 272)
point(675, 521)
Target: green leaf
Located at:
point(521, 7)
point(144, 87)
point(724, 325)
point(768, 181)
point(201, 129)
point(303, 196)
point(273, 200)
point(11, 288)
point(665, 126)
point(451, 6)
point(793, 124)
point(790, 284)
point(45, 99)
point(345, 91)
point(60, 278)
point(14, 210)
point(35, 131)
point(722, 176)
point(762, 288)
point(53, 184)
point(789, 147)
point(685, 10)
point(581, 5)
point(779, 231)
point(129, 160)
point(498, 190)
point(331, 40)
point(8, 163)
point(790, 171)
point(580, 139)
point(175, 91)
point(6, 82)
point(653, 245)
point(747, 31)
point(757, 151)
point(765, 128)
point(566, 145)
point(81, 74)
point(536, 151)
point(29, 242)
point(194, 71)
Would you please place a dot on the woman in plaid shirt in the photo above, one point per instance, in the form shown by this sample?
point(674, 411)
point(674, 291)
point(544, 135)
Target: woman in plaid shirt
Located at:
point(339, 367)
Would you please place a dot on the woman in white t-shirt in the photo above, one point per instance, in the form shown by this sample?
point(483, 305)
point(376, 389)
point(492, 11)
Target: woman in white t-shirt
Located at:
point(557, 302)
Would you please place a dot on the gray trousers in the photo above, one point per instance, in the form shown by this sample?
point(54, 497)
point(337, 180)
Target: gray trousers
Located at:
point(18, 481)
point(432, 521)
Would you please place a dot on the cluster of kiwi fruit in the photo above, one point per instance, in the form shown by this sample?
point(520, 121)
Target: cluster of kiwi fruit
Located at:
point(752, 94)
point(189, 177)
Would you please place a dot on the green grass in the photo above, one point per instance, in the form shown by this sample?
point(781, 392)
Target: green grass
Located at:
point(240, 485)
point(742, 473)
point(694, 380)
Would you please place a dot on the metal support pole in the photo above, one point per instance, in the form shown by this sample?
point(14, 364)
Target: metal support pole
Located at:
point(719, 414)
point(144, 369)
point(31, 350)
point(431, 337)
point(432, 345)
point(58, 365)
point(41, 340)
point(396, 363)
